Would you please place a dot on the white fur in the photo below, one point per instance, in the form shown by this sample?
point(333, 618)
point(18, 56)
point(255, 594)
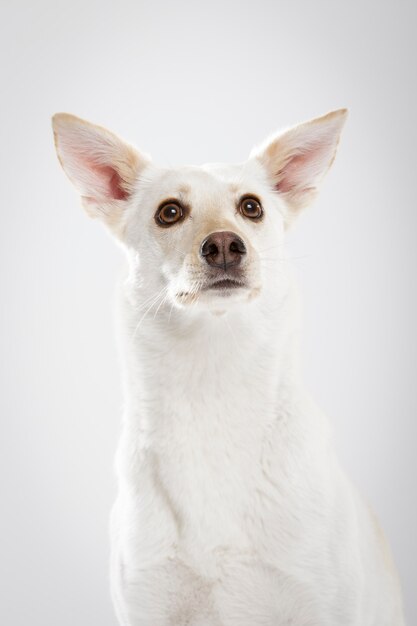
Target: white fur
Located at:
point(232, 507)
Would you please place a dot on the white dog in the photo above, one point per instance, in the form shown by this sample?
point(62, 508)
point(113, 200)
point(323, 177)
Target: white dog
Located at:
point(232, 507)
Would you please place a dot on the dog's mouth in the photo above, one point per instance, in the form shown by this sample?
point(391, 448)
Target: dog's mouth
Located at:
point(224, 284)
point(220, 287)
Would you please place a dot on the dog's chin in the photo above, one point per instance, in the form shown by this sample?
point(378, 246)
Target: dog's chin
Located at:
point(218, 295)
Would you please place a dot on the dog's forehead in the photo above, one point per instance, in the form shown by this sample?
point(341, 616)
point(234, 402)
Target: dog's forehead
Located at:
point(196, 184)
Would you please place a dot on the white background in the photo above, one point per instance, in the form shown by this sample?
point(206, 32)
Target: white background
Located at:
point(192, 82)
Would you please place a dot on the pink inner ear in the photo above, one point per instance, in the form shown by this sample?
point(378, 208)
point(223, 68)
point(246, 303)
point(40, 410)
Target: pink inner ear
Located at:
point(115, 185)
point(111, 181)
point(291, 175)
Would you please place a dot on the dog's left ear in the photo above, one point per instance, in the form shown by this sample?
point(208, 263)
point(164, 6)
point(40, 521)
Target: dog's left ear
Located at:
point(102, 166)
point(297, 159)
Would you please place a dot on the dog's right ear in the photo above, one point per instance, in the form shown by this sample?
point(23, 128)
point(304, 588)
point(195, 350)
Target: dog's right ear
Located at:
point(102, 167)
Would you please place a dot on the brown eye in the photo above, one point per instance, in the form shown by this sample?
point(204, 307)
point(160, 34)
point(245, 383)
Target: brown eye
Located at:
point(251, 207)
point(169, 214)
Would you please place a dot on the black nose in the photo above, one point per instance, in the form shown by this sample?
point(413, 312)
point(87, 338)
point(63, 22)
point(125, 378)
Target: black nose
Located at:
point(223, 249)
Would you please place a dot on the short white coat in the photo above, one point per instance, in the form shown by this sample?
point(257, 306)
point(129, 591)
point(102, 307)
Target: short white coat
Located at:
point(232, 507)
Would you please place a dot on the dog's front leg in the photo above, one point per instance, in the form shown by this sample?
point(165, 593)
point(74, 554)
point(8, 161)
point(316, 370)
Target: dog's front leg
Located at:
point(168, 593)
point(151, 584)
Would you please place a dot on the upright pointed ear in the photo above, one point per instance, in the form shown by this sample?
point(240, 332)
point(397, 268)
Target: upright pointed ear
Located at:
point(297, 159)
point(102, 167)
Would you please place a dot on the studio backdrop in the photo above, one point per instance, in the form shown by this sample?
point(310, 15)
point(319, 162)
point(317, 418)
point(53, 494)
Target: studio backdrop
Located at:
point(195, 82)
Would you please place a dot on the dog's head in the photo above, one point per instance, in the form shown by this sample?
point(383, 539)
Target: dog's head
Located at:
point(204, 236)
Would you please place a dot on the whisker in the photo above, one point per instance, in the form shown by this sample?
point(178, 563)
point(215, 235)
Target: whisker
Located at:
point(161, 294)
point(145, 303)
point(195, 291)
point(181, 252)
point(164, 299)
point(170, 311)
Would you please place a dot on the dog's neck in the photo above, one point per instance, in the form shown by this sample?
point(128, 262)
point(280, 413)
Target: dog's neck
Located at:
point(199, 363)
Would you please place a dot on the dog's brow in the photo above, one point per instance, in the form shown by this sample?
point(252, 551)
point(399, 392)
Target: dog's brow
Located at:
point(182, 193)
point(184, 189)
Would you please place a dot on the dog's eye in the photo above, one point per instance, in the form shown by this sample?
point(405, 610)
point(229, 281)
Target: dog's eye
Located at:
point(169, 214)
point(251, 207)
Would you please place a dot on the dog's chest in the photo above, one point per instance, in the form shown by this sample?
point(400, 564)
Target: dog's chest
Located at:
point(220, 454)
point(223, 468)
point(224, 464)
point(217, 447)
point(209, 447)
